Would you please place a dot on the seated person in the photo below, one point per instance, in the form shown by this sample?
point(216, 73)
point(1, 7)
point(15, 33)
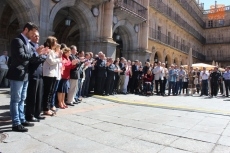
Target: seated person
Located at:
point(148, 78)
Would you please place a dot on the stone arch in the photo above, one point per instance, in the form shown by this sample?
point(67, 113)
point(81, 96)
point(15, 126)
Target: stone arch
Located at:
point(160, 56)
point(80, 11)
point(176, 61)
point(169, 60)
point(183, 61)
point(25, 11)
point(128, 35)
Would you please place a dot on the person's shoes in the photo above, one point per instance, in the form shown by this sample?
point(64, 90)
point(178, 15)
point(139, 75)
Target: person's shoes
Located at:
point(33, 119)
point(76, 102)
point(79, 99)
point(27, 124)
point(49, 113)
point(70, 104)
point(19, 128)
point(41, 117)
point(53, 108)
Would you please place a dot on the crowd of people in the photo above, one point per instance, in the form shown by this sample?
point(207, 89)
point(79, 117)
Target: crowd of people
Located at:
point(53, 75)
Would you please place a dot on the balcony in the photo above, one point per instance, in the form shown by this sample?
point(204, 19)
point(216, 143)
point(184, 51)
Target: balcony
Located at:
point(94, 2)
point(169, 13)
point(223, 40)
point(166, 40)
point(131, 10)
point(185, 4)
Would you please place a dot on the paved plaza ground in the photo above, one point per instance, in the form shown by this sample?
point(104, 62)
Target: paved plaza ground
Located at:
point(126, 124)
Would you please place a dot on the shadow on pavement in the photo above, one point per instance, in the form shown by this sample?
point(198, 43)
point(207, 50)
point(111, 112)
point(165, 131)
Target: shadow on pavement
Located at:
point(5, 119)
point(5, 107)
point(6, 129)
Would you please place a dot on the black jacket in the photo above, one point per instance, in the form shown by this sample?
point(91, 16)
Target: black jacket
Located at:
point(75, 73)
point(35, 65)
point(20, 57)
point(101, 67)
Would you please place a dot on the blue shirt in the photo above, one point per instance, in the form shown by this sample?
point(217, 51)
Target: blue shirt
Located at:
point(226, 75)
point(172, 75)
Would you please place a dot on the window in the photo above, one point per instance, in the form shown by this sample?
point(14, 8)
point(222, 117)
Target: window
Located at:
point(210, 23)
point(170, 11)
point(159, 33)
point(169, 38)
point(221, 22)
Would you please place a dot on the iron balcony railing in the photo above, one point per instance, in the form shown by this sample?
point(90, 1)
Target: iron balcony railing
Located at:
point(168, 12)
point(132, 6)
point(158, 36)
point(185, 4)
point(221, 40)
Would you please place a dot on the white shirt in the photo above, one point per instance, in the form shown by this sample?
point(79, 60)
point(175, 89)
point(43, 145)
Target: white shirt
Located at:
point(3, 62)
point(204, 75)
point(159, 72)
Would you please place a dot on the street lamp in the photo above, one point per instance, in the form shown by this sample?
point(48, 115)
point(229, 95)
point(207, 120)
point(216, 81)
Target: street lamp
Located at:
point(67, 20)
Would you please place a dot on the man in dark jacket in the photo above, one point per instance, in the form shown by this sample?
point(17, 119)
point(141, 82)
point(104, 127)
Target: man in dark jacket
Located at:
point(101, 74)
point(18, 75)
point(110, 77)
point(35, 87)
point(74, 75)
point(214, 78)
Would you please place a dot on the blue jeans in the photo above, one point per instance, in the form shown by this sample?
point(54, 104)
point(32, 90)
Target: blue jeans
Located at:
point(179, 86)
point(171, 87)
point(78, 94)
point(18, 91)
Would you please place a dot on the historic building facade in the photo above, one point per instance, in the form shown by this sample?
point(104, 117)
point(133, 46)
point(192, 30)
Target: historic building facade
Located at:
point(154, 30)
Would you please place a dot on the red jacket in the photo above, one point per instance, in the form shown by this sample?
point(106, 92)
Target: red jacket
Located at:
point(148, 78)
point(66, 67)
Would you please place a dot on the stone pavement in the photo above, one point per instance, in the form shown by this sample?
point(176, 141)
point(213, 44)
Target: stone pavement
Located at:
point(101, 126)
point(219, 105)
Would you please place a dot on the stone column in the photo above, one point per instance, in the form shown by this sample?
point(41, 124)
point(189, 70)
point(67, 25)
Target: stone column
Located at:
point(44, 21)
point(108, 20)
point(145, 28)
point(108, 45)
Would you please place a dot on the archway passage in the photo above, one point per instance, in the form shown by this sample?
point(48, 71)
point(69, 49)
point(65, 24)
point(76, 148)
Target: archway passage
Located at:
point(9, 25)
point(176, 61)
point(117, 38)
point(156, 58)
point(80, 30)
point(63, 25)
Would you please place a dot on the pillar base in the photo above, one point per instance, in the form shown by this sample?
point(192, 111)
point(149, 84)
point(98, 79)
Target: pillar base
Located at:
point(108, 47)
point(141, 55)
